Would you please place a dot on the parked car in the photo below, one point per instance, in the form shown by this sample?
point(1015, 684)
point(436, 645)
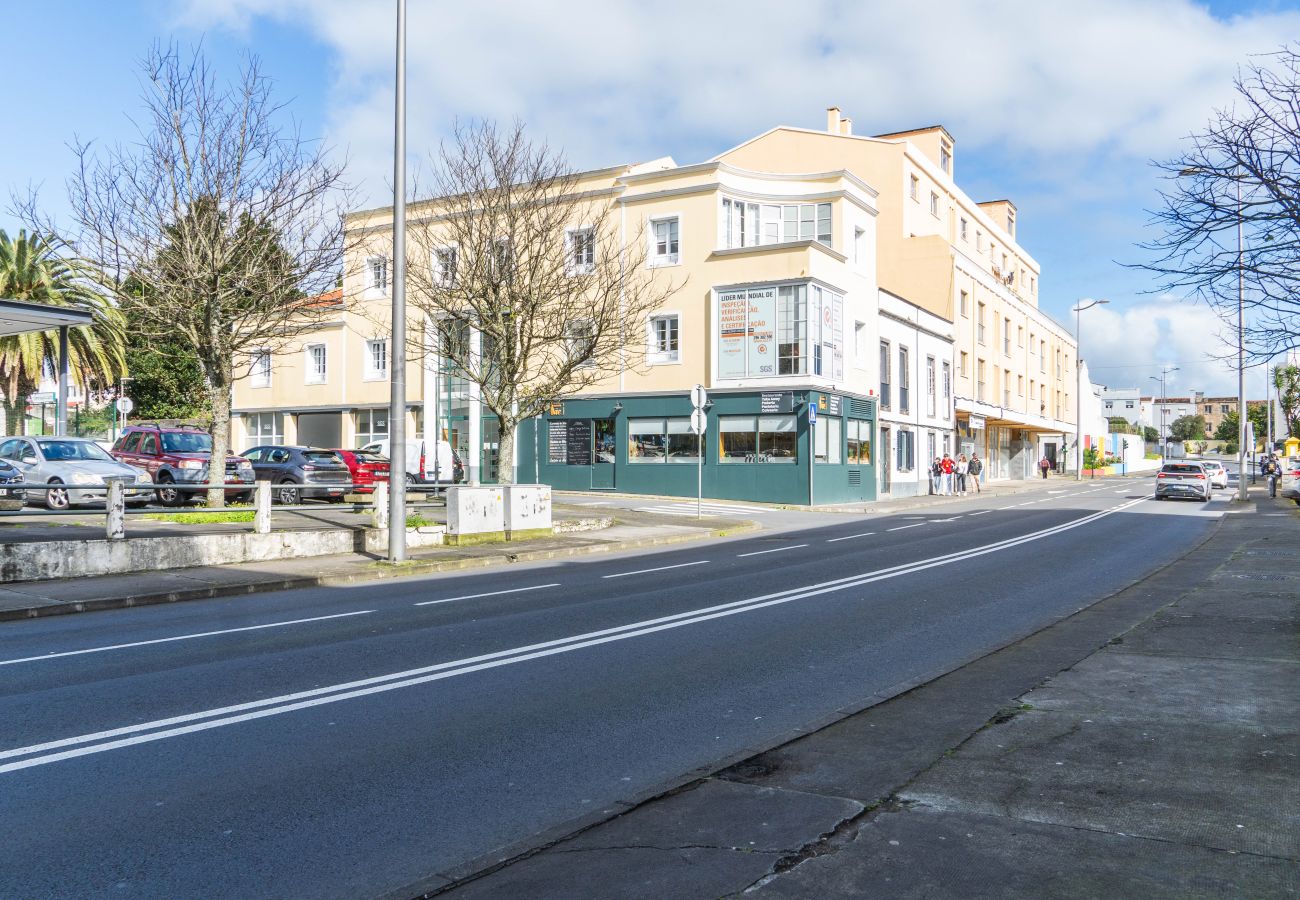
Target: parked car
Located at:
point(1183, 479)
point(69, 461)
point(11, 500)
point(300, 473)
point(365, 467)
point(426, 462)
point(1289, 486)
point(178, 455)
point(1218, 474)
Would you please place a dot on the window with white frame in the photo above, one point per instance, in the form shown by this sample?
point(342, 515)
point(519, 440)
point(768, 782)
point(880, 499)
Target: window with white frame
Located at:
point(663, 339)
point(1006, 337)
point(979, 323)
point(377, 273)
point(264, 428)
point(945, 158)
point(316, 364)
point(965, 304)
point(1011, 223)
point(746, 224)
point(377, 359)
point(904, 380)
point(931, 386)
point(913, 187)
point(979, 241)
point(372, 425)
point(886, 364)
point(580, 251)
point(934, 204)
point(664, 242)
point(503, 265)
point(947, 384)
point(444, 266)
point(260, 371)
point(580, 340)
point(964, 235)
point(906, 450)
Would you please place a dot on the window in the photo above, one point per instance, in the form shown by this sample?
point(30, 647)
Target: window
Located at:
point(965, 304)
point(377, 273)
point(979, 380)
point(1209, 407)
point(827, 439)
point(885, 365)
point(1004, 265)
point(1042, 356)
point(859, 442)
point(1225, 408)
point(580, 340)
point(931, 392)
point(260, 371)
point(372, 425)
point(965, 368)
point(963, 233)
point(750, 224)
point(979, 241)
point(912, 188)
point(904, 380)
point(264, 428)
point(1006, 337)
point(945, 158)
point(947, 384)
point(663, 339)
point(1006, 387)
point(757, 439)
point(664, 242)
point(316, 370)
point(1020, 335)
point(1033, 285)
point(444, 266)
point(503, 266)
point(790, 329)
point(931, 446)
point(1020, 385)
point(979, 324)
point(580, 251)
point(859, 245)
point(661, 440)
point(1011, 223)
point(906, 450)
point(934, 204)
point(376, 359)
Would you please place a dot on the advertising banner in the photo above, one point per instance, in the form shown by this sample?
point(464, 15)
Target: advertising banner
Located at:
point(732, 334)
point(762, 332)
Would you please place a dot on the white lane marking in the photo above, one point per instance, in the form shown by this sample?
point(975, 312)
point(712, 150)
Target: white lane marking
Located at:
point(849, 537)
point(698, 562)
point(1061, 491)
point(949, 519)
point(980, 512)
point(179, 637)
point(773, 550)
point(1001, 508)
point(665, 511)
point(534, 587)
point(901, 527)
point(423, 675)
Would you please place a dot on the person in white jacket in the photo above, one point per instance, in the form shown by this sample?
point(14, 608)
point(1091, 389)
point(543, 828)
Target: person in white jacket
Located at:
point(960, 473)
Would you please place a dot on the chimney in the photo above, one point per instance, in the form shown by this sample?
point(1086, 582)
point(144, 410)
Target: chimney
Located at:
point(846, 125)
point(833, 119)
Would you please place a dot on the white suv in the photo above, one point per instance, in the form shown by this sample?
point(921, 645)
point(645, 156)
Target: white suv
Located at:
point(1218, 474)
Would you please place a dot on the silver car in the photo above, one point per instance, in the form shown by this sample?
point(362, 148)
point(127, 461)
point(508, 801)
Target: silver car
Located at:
point(65, 463)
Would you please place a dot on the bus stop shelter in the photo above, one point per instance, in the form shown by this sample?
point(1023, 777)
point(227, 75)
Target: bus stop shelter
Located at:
point(20, 317)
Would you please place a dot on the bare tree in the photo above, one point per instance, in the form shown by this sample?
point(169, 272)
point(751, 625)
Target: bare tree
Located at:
point(215, 226)
point(1242, 169)
point(520, 264)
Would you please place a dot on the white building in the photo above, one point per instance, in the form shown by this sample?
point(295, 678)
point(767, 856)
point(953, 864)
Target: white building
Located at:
point(916, 402)
point(1161, 413)
point(1123, 402)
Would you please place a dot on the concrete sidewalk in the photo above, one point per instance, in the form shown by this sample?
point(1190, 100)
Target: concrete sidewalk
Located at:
point(1146, 746)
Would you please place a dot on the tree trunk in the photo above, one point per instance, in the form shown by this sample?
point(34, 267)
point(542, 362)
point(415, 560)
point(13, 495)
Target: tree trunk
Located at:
point(220, 396)
point(506, 453)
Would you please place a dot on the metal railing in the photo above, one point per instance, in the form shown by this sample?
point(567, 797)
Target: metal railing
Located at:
point(116, 505)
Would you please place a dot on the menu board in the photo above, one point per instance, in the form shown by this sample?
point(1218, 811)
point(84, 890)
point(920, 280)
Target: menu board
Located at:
point(579, 442)
point(762, 332)
point(732, 331)
point(557, 443)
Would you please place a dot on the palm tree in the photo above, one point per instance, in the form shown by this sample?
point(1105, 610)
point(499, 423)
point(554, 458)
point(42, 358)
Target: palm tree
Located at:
point(31, 270)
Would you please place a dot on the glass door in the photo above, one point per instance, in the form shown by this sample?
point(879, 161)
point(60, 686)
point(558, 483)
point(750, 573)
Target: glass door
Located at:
point(604, 451)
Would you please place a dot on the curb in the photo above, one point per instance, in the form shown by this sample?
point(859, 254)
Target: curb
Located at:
point(376, 571)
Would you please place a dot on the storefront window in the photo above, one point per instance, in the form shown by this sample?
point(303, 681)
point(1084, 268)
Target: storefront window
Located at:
point(372, 425)
point(683, 446)
point(646, 441)
point(827, 438)
point(778, 440)
point(737, 439)
point(859, 442)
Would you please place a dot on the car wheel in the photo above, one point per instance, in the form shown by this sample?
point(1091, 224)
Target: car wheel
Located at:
point(168, 493)
point(57, 498)
point(287, 494)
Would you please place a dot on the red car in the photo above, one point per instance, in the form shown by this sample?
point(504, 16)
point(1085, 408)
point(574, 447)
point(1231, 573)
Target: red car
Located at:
point(366, 469)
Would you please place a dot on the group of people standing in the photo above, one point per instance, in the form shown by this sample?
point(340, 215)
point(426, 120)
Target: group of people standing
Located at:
point(950, 476)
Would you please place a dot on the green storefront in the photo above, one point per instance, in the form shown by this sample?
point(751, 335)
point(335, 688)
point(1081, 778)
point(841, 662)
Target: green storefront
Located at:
point(758, 446)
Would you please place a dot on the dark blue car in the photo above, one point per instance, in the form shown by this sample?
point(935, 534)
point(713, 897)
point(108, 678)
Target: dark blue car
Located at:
point(300, 473)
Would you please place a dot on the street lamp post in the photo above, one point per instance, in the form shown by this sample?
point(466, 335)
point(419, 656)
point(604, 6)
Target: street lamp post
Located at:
point(397, 365)
point(1164, 370)
point(1078, 386)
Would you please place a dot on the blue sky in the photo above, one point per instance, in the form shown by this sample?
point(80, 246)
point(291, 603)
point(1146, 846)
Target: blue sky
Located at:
point(1058, 107)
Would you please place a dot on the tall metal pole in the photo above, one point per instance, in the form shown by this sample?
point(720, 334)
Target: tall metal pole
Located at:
point(1242, 493)
point(397, 365)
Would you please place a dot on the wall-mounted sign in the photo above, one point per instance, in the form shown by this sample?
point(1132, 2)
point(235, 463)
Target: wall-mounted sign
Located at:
point(976, 422)
point(557, 407)
point(732, 316)
point(834, 405)
point(777, 402)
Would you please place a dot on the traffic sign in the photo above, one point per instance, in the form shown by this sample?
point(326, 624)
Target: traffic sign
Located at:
point(699, 419)
point(41, 397)
point(812, 414)
point(699, 396)
point(125, 405)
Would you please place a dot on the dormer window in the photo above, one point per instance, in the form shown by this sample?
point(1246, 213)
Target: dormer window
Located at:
point(945, 158)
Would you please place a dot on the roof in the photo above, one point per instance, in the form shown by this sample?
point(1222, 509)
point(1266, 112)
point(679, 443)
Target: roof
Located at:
point(921, 130)
point(21, 317)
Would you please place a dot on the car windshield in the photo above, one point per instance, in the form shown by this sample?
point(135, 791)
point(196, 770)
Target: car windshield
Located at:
point(186, 442)
point(61, 451)
point(321, 456)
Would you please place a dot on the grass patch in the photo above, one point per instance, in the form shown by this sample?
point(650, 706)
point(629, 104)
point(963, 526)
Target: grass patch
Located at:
point(204, 517)
point(415, 520)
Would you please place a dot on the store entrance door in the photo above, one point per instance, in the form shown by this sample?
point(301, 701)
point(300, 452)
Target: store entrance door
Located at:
point(604, 452)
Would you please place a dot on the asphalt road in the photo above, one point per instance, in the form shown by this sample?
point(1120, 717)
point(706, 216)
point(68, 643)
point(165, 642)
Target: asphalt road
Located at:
point(359, 741)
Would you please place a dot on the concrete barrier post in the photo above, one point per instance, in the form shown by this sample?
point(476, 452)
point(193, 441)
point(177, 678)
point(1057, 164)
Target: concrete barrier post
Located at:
point(115, 520)
point(379, 510)
point(262, 513)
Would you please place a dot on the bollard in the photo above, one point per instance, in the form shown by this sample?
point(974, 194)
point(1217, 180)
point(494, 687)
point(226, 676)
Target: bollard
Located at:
point(380, 509)
point(262, 513)
point(115, 521)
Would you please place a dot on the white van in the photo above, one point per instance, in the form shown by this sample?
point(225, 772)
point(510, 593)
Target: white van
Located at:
point(423, 465)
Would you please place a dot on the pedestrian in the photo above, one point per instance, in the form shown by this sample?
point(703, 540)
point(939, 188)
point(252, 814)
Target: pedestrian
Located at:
point(1043, 465)
point(947, 466)
point(975, 468)
point(936, 475)
point(963, 467)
